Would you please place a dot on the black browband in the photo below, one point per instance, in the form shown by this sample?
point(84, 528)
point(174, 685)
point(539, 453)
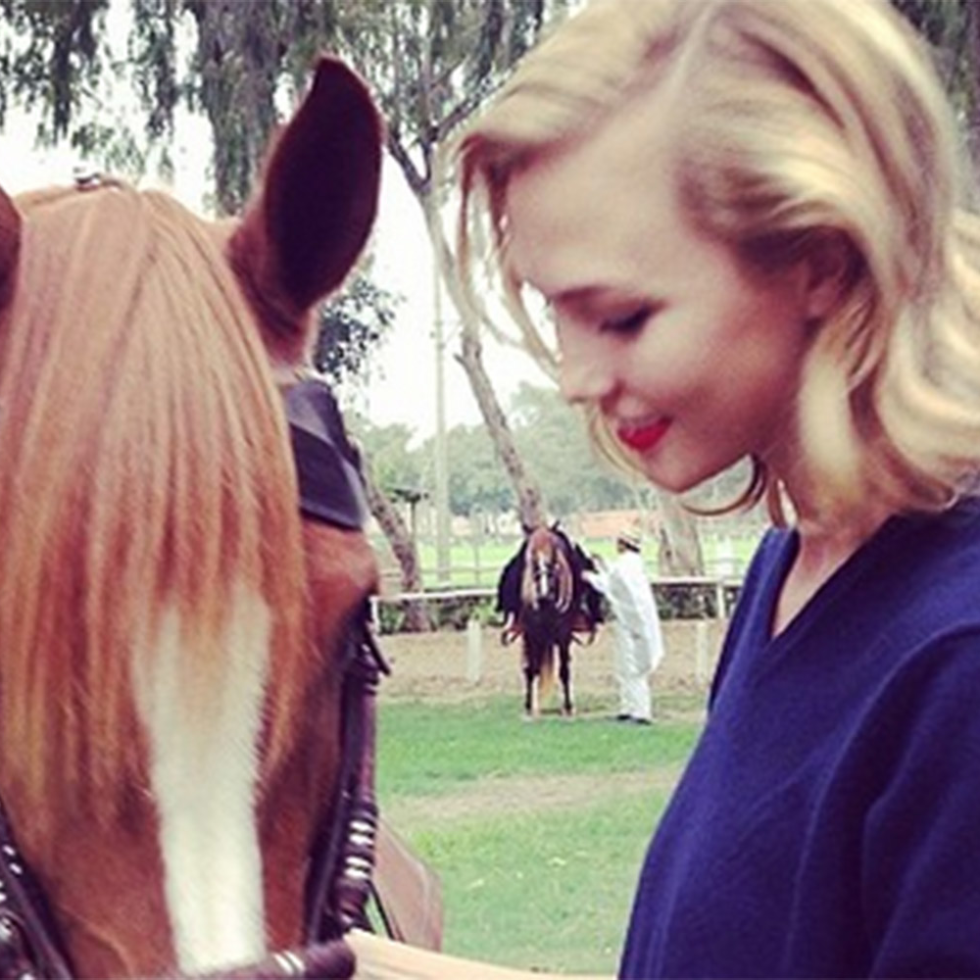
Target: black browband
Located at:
point(339, 882)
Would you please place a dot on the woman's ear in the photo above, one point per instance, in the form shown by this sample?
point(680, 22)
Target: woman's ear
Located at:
point(829, 269)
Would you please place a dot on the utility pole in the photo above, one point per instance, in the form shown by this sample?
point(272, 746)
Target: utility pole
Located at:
point(442, 454)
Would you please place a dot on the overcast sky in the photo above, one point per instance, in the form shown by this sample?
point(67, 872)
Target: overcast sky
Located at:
point(402, 386)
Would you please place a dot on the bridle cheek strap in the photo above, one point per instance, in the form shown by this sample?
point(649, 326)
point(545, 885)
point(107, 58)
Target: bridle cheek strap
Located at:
point(343, 857)
point(331, 490)
point(30, 944)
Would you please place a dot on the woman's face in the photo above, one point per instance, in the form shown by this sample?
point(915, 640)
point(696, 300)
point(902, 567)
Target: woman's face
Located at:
point(691, 363)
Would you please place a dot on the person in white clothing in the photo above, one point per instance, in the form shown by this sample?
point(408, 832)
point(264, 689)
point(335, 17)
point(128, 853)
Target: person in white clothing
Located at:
point(639, 641)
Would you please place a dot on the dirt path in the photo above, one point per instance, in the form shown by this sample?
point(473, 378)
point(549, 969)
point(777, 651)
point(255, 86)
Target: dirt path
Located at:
point(442, 666)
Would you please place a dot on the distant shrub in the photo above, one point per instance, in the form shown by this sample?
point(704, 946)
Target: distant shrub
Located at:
point(445, 613)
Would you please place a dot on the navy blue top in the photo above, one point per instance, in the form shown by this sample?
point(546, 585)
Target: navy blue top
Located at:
point(828, 823)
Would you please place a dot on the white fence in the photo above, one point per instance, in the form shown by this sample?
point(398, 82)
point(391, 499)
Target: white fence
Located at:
point(722, 592)
point(699, 637)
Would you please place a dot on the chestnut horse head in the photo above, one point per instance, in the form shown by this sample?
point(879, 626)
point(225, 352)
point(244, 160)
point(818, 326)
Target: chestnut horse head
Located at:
point(169, 625)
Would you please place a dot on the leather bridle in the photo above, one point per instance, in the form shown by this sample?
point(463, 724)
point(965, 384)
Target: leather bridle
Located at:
point(331, 490)
point(339, 883)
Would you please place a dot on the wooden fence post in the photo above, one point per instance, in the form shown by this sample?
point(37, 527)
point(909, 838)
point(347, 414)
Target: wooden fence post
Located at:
point(701, 651)
point(474, 650)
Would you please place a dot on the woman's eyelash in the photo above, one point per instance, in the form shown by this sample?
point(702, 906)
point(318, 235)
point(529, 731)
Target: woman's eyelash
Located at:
point(631, 322)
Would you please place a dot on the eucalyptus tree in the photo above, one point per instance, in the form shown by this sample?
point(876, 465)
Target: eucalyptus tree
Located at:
point(392, 472)
point(477, 482)
point(51, 56)
point(233, 62)
point(353, 325)
point(432, 63)
point(553, 437)
point(58, 69)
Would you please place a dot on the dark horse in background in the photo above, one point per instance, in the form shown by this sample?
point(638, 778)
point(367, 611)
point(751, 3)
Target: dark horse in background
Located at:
point(547, 602)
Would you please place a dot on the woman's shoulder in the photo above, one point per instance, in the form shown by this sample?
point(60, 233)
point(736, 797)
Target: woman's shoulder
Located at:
point(915, 581)
point(913, 606)
point(933, 561)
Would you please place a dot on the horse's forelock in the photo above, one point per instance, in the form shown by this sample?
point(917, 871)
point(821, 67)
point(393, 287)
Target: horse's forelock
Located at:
point(146, 465)
point(566, 580)
point(544, 544)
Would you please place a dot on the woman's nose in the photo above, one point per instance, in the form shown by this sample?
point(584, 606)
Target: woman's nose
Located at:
point(586, 372)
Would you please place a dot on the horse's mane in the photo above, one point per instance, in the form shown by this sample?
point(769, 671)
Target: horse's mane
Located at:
point(145, 472)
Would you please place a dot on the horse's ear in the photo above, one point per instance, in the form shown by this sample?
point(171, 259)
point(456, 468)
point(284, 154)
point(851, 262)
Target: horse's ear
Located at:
point(317, 203)
point(9, 247)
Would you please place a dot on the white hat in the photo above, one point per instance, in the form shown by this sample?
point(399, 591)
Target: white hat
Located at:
point(630, 539)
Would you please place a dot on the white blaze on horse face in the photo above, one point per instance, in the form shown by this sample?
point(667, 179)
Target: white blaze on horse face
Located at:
point(204, 770)
point(542, 579)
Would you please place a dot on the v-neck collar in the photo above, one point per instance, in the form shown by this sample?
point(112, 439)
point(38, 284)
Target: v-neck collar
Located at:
point(836, 585)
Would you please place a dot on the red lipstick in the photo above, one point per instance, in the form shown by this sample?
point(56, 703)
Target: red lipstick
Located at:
point(642, 438)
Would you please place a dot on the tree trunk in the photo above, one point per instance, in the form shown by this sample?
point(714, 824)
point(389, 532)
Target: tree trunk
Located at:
point(530, 504)
point(403, 547)
point(529, 500)
point(680, 545)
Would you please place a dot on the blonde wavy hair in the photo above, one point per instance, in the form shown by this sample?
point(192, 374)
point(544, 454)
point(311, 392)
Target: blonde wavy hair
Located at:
point(146, 469)
point(805, 122)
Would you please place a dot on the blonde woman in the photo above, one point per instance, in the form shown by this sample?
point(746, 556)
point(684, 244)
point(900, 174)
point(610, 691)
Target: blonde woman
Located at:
point(749, 223)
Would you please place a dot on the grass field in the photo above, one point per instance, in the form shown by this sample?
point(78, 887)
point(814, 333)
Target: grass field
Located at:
point(537, 830)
